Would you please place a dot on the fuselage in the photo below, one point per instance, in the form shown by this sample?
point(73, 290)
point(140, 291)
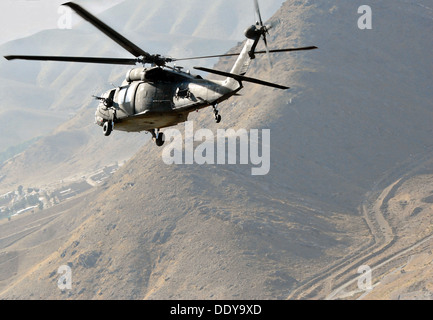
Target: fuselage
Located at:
point(158, 97)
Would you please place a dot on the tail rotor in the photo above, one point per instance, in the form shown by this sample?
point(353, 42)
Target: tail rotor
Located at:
point(263, 30)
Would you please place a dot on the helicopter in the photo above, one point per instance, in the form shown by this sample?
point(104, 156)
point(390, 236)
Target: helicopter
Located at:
point(161, 96)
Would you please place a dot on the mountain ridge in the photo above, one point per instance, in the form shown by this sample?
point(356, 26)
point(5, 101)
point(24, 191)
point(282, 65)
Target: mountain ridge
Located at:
point(155, 231)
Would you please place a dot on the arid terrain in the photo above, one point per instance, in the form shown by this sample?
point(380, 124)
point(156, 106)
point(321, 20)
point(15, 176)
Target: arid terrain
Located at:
point(350, 182)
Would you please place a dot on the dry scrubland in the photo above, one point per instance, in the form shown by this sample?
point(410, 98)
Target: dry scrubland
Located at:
point(350, 181)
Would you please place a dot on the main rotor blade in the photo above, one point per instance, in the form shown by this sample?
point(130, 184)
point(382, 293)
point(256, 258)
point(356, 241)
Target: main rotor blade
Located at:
point(114, 35)
point(126, 61)
point(207, 57)
point(117, 61)
point(236, 54)
point(288, 50)
point(242, 78)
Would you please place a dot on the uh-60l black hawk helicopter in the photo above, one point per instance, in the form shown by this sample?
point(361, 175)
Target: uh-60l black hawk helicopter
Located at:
point(162, 96)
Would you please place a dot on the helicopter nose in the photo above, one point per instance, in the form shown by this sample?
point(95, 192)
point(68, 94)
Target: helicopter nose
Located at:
point(100, 114)
point(98, 120)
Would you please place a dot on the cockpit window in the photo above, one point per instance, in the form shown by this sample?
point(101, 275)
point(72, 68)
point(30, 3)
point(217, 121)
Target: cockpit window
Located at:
point(122, 94)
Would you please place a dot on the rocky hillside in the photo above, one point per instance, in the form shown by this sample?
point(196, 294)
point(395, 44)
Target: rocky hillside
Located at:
point(39, 98)
point(356, 121)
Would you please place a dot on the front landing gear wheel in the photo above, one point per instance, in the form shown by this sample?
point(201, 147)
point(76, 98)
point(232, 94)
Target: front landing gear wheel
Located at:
point(107, 128)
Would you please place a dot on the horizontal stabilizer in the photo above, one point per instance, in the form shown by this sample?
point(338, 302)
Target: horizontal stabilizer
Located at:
point(240, 78)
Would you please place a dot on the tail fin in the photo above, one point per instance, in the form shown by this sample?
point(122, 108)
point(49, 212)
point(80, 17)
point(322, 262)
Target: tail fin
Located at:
point(242, 64)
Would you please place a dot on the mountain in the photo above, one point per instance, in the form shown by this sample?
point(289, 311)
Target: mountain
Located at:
point(349, 182)
point(59, 93)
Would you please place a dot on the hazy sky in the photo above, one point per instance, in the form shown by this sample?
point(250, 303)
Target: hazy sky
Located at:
point(21, 18)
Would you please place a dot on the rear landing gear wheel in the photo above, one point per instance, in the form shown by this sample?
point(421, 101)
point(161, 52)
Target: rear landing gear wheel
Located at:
point(218, 118)
point(107, 128)
point(160, 139)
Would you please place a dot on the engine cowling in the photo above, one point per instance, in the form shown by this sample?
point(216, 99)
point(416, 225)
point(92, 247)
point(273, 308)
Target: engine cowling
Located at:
point(136, 74)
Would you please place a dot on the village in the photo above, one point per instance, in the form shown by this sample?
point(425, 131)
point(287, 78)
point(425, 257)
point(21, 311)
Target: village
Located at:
point(34, 199)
